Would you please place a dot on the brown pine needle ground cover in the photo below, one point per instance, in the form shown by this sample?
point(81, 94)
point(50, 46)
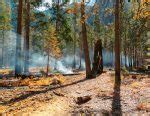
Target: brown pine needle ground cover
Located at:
point(133, 97)
point(42, 81)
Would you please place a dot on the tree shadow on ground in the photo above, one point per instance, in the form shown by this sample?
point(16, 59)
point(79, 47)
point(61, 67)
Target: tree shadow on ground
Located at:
point(32, 93)
point(116, 103)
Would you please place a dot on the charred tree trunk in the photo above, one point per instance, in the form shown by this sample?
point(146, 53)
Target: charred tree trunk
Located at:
point(27, 23)
point(47, 69)
point(125, 51)
point(3, 42)
point(85, 43)
point(74, 47)
point(18, 40)
point(117, 42)
point(98, 59)
point(75, 36)
point(129, 58)
point(80, 62)
point(131, 62)
point(55, 67)
point(74, 59)
point(135, 56)
point(125, 55)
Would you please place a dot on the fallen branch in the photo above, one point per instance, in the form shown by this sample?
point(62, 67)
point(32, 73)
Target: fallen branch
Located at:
point(58, 93)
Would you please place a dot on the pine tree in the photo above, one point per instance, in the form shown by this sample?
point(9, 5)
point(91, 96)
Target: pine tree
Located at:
point(5, 25)
point(117, 42)
point(18, 40)
point(27, 27)
point(85, 42)
point(51, 45)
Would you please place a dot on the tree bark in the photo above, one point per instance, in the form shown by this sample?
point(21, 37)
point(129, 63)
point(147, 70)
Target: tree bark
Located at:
point(98, 59)
point(3, 42)
point(117, 42)
point(74, 59)
point(75, 38)
point(80, 62)
point(125, 50)
point(85, 43)
point(27, 26)
point(55, 67)
point(47, 70)
point(18, 40)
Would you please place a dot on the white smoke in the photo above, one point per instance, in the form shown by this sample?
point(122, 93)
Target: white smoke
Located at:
point(63, 68)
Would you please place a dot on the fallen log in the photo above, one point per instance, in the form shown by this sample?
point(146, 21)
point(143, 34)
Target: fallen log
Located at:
point(58, 93)
point(71, 74)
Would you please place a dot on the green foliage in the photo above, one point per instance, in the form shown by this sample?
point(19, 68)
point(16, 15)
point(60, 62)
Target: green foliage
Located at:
point(51, 43)
point(4, 16)
point(47, 35)
point(65, 33)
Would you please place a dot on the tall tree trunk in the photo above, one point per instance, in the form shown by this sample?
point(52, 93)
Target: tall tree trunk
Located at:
point(117, 42)
point(55, 67)
point(75, 37)
point(125, 50)
point(18, 40)
point(120, 59)
point(135, 57)
point(85, 43)
point(112, 57)
point(75, 32)
point(27, 23)
point(132, 59)
point(125, 55)
point(80, 62)
point(3, 42)
point(47, 70)
point(98, 58)
point(74, 59)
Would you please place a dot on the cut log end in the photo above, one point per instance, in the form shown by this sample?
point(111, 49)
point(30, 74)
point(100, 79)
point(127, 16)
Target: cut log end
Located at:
point(83, 99)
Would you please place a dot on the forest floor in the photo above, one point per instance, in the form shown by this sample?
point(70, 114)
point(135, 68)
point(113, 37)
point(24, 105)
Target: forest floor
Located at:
point(133, 97)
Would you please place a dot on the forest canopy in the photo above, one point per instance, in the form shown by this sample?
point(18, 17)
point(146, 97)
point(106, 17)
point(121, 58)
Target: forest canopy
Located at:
point(66, 32)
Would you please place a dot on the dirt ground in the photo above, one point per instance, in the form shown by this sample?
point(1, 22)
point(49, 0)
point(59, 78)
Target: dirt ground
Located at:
point(131, 97)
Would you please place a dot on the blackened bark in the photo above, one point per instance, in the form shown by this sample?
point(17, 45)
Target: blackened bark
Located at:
point(47, 70)
point(125, 50)
point(18, 40)
point(3, 42)
point(75, 38)
point(74, 59)
point(117, 42)
point(80, 62)
point(98, 59)
point(27, 27)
